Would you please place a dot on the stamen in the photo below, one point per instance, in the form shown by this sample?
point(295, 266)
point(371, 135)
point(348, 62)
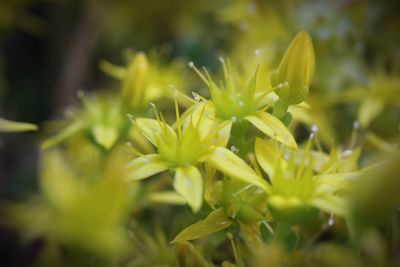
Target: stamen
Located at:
point(130, 117)
point(234, 149)
point(234, 119)
point(314, 128)
point(354, 134)
point(347, 153)
point(257, 52)
point(241, 103)
point(198, 72)
point(197, 97)
point(178, 118)
point(331, 221)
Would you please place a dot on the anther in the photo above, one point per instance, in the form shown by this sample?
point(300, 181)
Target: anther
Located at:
point(234, 119)
point(314, 128)
point(191, 64)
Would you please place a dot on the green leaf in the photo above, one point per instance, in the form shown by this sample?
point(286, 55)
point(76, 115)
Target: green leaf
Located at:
point(145, 166)
point(272, 127)
point(188, 183)
point(13, 126)
point(215, 221)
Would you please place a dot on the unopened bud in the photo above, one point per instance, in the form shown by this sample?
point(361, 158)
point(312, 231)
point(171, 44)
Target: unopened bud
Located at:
point(296, 70)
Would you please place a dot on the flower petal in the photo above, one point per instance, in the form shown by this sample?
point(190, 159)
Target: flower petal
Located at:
point(272, 127)
point(267, 155)
point(215, 221)
point(145, 166)
point(228, 163)
point(188, 183)
point(151, 128)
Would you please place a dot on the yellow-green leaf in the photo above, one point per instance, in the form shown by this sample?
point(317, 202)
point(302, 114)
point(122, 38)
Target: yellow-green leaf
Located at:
point(272, 127)
point(13, 126)
point(188, 183)
point(215, 222)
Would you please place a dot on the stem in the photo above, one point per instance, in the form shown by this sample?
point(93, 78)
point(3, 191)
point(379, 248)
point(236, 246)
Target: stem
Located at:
point(238, 138)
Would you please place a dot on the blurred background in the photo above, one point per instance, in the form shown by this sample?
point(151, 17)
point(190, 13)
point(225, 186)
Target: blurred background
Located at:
point(51, 49)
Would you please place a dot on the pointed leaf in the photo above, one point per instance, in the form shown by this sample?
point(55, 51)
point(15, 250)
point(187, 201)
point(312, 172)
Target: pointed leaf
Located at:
point(13, 126)
point(215, 222)
point(272, 127)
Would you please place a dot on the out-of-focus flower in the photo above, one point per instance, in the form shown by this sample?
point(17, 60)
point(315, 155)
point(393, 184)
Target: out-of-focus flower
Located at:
point(299, 187)
point(88, 213)
point(381, 92)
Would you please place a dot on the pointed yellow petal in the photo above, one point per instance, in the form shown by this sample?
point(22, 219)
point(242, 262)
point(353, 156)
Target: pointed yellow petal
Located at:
point(146, 166)
point(230, 164)
point(151, 128)
point(13, 126)
point(215, 221)
point(272, 127)
point(267, 155)
point(188, 183)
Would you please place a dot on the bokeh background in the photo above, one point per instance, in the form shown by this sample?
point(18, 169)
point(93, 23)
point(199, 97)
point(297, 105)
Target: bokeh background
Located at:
point(51, 49)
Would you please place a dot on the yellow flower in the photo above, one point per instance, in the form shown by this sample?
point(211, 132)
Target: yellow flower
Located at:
point(233, 104)
point(303, 182)
point(184, 149)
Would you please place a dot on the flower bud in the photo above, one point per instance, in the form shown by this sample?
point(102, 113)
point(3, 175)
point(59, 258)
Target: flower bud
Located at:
point(296, 70)
point(136, 80)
